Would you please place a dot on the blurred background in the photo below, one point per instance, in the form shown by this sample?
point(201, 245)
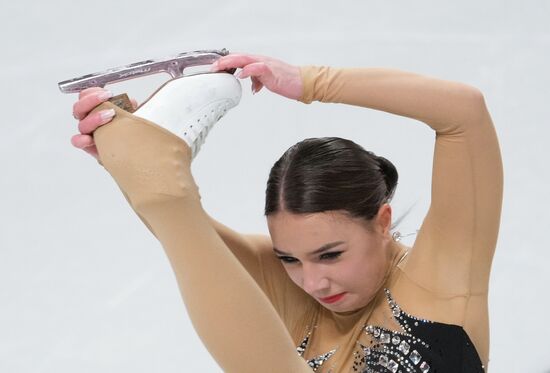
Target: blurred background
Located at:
point(84, 285)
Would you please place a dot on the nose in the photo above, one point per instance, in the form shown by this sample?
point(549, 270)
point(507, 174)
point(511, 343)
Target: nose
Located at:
point(314, 280)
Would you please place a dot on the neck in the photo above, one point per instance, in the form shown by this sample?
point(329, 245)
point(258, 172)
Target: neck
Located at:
point(395, 253)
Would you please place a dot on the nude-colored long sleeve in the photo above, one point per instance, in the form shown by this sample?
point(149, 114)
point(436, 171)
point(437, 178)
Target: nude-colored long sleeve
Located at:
point(466, 198)
point(255, 253)
point(230, 313)
point(452, 255)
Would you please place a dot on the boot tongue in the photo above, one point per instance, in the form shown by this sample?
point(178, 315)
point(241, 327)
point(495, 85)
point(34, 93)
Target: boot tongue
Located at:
point(123, 102)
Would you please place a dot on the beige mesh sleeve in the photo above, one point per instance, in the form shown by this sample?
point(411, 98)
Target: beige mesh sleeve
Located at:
point(458, 237)
point(229, 311)
point(447, 272)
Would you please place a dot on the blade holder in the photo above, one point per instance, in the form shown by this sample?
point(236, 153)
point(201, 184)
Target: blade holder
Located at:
point(174, 65)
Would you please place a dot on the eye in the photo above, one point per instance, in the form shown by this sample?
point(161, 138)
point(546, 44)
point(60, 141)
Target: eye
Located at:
point(286, 259)
point(330, 256)
point(326, 256)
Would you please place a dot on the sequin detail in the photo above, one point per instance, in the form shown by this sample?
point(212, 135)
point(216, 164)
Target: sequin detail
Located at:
point(317, 361)
point(394, 351)
point(403, 351)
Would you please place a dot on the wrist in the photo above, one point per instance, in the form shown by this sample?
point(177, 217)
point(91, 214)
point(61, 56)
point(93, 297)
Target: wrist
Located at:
point(308, 76)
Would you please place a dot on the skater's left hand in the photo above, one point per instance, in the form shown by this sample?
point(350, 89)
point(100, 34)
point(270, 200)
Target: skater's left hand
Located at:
point(277, 76)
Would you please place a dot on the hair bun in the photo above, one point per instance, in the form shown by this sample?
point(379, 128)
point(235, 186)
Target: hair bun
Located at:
point(390, 174)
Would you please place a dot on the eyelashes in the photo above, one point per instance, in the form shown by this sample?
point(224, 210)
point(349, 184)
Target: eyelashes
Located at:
point(324, 257)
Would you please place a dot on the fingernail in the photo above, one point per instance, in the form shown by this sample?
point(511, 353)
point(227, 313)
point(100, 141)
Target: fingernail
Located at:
point(105, 95)
point(239, 74)
point(107, 114)
point(214, 66)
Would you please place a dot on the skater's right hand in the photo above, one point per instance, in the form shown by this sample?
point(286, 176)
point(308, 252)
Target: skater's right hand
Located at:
point(88, 99)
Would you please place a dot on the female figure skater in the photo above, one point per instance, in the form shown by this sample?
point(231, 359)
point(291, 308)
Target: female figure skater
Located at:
point(330, 290)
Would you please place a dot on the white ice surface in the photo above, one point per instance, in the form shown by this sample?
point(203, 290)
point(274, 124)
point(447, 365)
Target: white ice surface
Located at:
point(85, 287)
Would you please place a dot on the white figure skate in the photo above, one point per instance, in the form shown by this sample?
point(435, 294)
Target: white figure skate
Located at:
point(188, 105)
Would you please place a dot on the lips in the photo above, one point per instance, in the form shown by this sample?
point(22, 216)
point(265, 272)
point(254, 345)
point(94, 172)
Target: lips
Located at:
point(332, 298)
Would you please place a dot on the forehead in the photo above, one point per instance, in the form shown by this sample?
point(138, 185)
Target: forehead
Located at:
point(293, 231)
point(285, 219)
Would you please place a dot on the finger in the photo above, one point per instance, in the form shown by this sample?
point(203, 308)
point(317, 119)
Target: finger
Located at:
point(83, 106)
point(89, 91)
point(257, 57)
point(233, 61)
point(257, 69)
point(256, 85)
point(134, 103)
point(82, 141)
point(84, 93)
point(92, 150)
point(92, 121)
point(86, 143)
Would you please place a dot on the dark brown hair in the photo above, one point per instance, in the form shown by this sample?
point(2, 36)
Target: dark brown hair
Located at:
point(330, 173)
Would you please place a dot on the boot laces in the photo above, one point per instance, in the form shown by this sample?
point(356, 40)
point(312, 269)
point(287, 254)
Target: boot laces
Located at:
point(211, 119)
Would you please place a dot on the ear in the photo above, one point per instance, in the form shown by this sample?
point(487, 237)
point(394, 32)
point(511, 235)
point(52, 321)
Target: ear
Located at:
point(383, 219)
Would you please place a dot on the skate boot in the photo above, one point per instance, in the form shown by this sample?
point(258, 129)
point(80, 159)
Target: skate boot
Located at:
point(187, 106)
point(190, 106)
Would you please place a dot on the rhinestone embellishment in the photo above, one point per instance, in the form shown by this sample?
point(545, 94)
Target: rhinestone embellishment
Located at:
point(424, 367)
point(317, 361)
point(404, 347)
point(392, 366)
point(389, 351)
point(415, 357)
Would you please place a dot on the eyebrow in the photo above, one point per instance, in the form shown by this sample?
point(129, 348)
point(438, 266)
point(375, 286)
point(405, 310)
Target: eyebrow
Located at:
point(320, 250)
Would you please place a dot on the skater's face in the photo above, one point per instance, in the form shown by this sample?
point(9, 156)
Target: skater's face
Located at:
point(354, 261)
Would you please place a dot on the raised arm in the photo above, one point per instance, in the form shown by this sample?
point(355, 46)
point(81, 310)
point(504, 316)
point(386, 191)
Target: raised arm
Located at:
point(458, 236)
point(249, 249)
point(459, 233)
point(246, 248)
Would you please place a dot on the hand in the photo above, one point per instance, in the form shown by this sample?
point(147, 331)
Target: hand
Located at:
point(277, 76)
point(88, 99)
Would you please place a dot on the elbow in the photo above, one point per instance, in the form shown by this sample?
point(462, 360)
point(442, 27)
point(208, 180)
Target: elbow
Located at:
point(466, 111)
point(474, 109)
point(476, 100)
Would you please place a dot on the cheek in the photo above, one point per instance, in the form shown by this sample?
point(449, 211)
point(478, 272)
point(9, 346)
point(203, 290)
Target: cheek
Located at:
point(294, 275)
point(359, 274)
point(351, 273)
